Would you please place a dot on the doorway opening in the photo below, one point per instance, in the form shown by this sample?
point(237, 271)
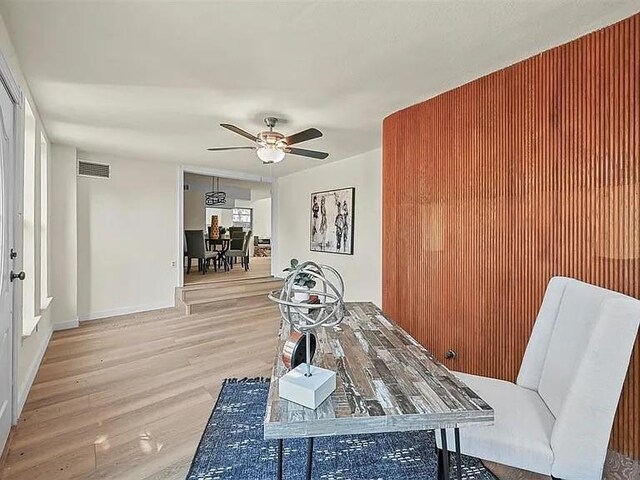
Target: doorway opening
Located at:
point(227, 227)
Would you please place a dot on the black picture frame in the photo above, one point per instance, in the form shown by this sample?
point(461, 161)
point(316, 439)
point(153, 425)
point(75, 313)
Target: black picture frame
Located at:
point(323, 234)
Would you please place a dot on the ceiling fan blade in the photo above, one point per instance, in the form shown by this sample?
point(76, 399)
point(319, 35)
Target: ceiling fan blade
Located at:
point(303, 136)
point(307, 153)
point(220, 149)
point(239, 131)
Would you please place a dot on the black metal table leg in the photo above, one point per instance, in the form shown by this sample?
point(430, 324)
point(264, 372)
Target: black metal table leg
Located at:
point(456, 433)
point(280, 460)
point(445, 454)
point(309, 457)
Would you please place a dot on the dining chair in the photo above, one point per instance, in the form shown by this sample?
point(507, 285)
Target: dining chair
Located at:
point(236, 233)
point(556, 419)
point(242, 252)
point(185, 259)
point(196, 249)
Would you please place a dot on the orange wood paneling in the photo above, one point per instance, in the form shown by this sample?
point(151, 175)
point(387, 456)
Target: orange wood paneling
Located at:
point(494, 187)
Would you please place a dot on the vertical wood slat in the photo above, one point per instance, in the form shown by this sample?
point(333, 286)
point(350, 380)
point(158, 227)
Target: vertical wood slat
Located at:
point(492, 188)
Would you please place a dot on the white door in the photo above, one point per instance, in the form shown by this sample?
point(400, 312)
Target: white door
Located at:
point(7, 192)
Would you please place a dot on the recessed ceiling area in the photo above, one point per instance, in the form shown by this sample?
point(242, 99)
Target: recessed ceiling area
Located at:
point(153, 80)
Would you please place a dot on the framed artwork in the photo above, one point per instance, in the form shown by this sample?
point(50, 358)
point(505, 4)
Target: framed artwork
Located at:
point(331, 217)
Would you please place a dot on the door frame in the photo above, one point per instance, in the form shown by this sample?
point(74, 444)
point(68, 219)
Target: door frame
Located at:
point(17, 96)
point(231, 174)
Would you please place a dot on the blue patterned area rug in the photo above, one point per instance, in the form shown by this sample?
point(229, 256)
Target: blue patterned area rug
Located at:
point(233, 448)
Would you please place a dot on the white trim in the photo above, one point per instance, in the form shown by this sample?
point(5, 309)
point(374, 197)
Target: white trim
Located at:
point(203, 170)
point(36, 321)
point(66, 325)
point(31, 375)
point(180, 230)
point(44, 305)
point(275, 244)
point(122, 311)
point(216, 172)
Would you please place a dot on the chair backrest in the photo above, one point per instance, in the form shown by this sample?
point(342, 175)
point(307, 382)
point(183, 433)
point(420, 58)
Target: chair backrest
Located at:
point(234, 232)
point(195, 243)
point(236, 243)
point(577, 359)
point(247, 242)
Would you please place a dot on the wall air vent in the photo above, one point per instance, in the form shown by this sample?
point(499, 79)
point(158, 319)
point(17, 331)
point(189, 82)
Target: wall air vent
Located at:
point(93, 169)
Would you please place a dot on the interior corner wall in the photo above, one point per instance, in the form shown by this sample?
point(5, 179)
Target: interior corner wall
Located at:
point(503, 183)
point(127, 232)
point(63, 221)
point(362, 270)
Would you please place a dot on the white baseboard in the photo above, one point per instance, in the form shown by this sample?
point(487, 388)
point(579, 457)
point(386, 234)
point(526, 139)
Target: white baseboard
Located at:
point(31, 374)
point(66, 325)
point(123, 311)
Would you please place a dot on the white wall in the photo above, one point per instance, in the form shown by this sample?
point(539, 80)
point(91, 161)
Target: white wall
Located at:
point(127, 231)
point(194, 210)
point(63, 228)
point(362, 271)
point(262, 217)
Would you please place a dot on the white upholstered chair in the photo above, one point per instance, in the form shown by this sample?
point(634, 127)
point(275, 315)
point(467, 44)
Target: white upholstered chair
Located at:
point(556, 419)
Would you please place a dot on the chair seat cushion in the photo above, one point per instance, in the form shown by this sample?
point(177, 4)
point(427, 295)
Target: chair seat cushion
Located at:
point(521, 434)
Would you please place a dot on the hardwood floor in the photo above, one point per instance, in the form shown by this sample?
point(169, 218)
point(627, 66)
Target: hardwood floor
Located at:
point(258, 267)
point(128, 397)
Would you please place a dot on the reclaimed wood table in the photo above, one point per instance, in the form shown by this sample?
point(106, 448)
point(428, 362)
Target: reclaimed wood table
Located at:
point(386, 382)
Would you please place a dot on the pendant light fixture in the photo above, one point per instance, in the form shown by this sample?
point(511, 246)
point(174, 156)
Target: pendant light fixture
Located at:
point(215, 197)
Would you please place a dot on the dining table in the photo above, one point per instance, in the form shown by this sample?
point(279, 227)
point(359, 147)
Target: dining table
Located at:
point(223, 242)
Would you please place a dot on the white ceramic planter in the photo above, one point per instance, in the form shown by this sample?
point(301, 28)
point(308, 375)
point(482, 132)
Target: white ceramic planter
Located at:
point(302, 296)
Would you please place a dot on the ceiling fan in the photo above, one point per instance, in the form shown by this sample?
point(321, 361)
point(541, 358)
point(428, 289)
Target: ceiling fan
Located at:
point(272, 146)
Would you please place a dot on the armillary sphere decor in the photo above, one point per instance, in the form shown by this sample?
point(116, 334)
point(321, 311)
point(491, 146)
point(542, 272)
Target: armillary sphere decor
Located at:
point(215, 197)
point(311, 297)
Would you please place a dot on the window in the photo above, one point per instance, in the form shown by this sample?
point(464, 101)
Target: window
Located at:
point(44, 222)
point(35, 223)
point(29, 319)
point(242, 218)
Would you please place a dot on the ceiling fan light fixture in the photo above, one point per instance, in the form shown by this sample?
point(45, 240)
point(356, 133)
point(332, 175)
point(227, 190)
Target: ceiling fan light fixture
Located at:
point(272, 146)
point(270, 154)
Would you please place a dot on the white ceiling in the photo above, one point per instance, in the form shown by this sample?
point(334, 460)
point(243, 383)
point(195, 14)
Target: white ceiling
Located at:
point(153, 80)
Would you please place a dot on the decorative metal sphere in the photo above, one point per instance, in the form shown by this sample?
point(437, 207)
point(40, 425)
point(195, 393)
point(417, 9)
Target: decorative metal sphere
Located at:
point(302, 315)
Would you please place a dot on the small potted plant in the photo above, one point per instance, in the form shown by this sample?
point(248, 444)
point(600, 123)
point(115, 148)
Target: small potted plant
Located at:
point(304, 282)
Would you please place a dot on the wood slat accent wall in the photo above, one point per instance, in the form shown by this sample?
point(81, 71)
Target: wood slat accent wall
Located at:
point(494, 187)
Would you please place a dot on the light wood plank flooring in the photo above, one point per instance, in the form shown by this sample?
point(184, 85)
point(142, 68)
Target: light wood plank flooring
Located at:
point(258, 267)
point(128, 397)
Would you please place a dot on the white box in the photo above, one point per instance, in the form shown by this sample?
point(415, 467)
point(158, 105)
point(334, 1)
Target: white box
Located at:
point(310, 391)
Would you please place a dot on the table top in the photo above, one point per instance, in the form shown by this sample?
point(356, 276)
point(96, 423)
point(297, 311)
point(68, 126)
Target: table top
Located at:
point(386, 382)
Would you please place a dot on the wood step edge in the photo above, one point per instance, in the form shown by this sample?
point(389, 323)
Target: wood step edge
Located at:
point(231, 289)
point(220, 283)
point(226, 298)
